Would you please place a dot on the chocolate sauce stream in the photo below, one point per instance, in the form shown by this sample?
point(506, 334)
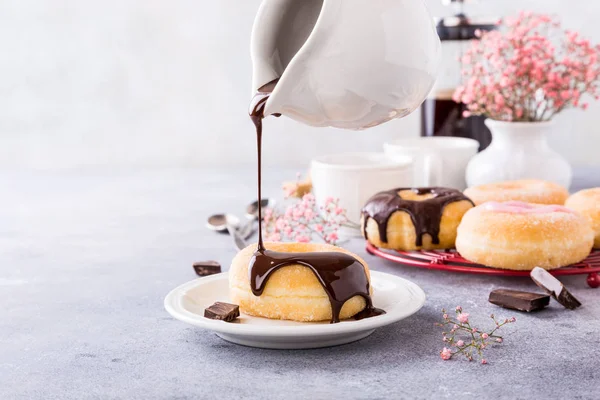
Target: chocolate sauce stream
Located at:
point(426, 215)
point(341, 275)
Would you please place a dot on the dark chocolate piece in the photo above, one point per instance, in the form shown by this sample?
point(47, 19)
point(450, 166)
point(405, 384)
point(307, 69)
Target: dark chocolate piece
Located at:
point(222, 311)
point(206, 268)
point(426, 215)
point(517, 300)
point(554, 288)
point(341, 275)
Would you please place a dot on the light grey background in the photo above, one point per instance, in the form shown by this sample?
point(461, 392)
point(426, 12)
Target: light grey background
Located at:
point(155, 83)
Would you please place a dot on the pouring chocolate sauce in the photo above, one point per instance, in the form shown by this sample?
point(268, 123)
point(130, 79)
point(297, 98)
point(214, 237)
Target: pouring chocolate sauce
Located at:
point(341, 275)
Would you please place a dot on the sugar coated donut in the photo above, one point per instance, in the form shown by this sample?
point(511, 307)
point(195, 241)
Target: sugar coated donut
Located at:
point(292, 292)
point(521, 236)
point(414, 218)
point(587, 203)
point(528, 191)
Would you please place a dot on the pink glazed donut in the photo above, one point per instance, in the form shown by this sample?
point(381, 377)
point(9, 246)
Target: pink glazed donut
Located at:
point(520, 236)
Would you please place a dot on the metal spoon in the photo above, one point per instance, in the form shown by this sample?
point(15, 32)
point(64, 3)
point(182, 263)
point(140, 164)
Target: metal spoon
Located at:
point(252, 214)
point(219, 222)
point(252, 208)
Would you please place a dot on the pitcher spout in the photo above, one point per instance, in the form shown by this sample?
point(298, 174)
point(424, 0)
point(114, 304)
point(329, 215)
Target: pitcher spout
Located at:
point(349, 64)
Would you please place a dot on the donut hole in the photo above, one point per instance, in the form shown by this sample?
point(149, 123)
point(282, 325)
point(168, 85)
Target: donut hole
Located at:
point(411, 195)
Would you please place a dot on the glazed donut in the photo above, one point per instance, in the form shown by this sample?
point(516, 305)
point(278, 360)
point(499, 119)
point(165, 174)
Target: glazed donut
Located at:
point(520, 236)
point(292, 292)
point(528, 191)
point(414, 219)
point(587, 203)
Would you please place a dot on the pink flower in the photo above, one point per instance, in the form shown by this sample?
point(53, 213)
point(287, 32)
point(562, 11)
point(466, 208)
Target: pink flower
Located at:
point(499, 100)
point(463, 318)
point(301, 228)
point(460, 343)
point(485, 335)
point(445, 316)
point(525, 56)
point(339, 210)
point(455, 327)
point(318, 228)
point(474, 330)
point(302, 239)
point(280, 223)
point(519, 113)
point(332, 237)
point(289, 212)
point(484, 361)
point(513, 319)
point(458, 308)
point(446, 354)
point(275, 237)
point(499, 340)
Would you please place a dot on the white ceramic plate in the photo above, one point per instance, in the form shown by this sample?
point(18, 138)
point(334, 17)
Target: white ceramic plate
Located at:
point(399, 297)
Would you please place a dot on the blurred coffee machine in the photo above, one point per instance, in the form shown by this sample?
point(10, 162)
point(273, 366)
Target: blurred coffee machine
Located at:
point(440, 115)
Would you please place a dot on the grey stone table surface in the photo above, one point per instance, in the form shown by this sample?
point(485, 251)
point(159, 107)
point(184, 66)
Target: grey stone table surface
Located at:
point(86, 258)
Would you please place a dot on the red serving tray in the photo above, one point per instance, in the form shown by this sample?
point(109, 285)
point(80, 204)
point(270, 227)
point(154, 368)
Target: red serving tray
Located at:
point(450, 260)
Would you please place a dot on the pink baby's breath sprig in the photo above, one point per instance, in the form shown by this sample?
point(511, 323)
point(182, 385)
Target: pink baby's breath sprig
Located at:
point(530, 71)
point(305, 220)
point(463, 338)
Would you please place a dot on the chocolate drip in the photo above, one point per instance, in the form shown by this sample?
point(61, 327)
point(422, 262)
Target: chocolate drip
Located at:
point(341, 275)
point(426, 215)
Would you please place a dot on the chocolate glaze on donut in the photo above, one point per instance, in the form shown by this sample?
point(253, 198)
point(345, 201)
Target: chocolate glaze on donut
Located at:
point(426, 215)
point(341, 275)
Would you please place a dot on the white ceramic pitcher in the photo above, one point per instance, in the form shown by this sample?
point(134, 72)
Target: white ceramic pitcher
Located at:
point(345, 63)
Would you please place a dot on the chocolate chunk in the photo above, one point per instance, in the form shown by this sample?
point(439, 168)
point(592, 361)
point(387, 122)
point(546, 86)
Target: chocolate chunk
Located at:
point(222, 311)
point(206, 268)
point(554, 288)
point(517, 300)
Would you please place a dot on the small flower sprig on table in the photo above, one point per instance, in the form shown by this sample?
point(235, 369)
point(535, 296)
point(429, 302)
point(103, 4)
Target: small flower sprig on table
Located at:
point(304, 220)
point(467, 340)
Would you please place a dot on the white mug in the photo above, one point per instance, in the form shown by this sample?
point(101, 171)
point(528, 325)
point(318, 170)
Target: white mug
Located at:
point(354, 177)
point(345, 63)
point(438, 161)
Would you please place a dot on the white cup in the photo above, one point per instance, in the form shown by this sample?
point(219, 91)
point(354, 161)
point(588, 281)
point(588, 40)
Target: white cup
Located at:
point(354, 177)
point(438, 161)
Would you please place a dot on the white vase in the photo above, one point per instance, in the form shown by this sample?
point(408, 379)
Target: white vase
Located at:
point(519, 150)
